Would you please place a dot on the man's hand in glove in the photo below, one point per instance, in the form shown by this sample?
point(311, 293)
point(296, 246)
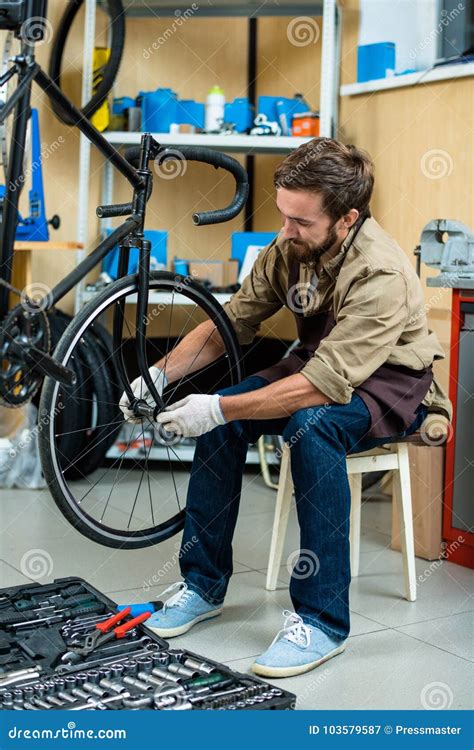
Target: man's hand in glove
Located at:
point(140, 390)
point(192, 416)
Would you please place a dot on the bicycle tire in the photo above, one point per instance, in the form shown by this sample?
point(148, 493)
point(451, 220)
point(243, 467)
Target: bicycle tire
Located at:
point(74, 512)
point(101, 411)
point(117, 16)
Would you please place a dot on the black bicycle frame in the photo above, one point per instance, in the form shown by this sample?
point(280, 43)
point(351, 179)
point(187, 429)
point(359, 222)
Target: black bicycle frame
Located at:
point(29, 71)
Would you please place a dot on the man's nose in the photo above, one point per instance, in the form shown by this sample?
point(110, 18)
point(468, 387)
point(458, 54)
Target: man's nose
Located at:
point(289, 230)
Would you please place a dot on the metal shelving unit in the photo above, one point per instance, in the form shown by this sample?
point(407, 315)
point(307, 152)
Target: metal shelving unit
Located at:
point(248, 145)
point(242, 144)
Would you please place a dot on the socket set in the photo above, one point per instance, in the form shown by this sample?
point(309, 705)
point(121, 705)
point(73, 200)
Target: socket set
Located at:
point(65, 646)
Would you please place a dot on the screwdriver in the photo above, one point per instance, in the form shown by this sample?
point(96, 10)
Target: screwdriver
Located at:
point(23, 605)
point(18, 620)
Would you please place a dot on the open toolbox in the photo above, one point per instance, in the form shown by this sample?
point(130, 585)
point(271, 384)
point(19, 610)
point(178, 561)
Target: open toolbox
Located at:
point(64, 646)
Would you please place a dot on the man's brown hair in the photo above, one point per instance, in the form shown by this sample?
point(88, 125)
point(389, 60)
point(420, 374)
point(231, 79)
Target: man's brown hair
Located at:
point(344, 175)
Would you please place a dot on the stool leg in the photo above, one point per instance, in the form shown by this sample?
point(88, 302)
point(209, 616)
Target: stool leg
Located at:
point(264, 463)
point(280, 522)
point(402, 497)
point(355, 483)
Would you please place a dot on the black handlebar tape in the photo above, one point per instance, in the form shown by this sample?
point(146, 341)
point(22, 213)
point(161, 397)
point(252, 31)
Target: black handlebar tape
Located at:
point(114, 210)
point(132, 155)
point(215, 159)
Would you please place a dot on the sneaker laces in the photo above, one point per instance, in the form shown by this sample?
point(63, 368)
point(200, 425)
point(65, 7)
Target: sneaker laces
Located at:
point(294, 630)
point(180, 598)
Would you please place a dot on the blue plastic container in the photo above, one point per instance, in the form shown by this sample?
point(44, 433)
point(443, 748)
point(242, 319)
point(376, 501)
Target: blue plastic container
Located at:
point(242, 240)
point(158, 239)
point(374, 60)
point(240, 113)
point(159, 110)
point(120, 104)
point(190, 112)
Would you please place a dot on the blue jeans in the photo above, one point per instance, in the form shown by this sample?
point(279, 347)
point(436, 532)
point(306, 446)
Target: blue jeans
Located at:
point(319, 439)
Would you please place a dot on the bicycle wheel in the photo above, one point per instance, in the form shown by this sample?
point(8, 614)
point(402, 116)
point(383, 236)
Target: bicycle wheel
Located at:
point(137, 497)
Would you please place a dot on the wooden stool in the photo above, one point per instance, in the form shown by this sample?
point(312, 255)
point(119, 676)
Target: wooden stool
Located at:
point(393, 457)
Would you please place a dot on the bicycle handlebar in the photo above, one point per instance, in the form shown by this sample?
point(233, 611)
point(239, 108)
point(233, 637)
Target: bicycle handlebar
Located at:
point(191, 153)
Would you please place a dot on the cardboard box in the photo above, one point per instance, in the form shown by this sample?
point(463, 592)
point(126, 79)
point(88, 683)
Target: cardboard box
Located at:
point(427, 482)
point(221, 273)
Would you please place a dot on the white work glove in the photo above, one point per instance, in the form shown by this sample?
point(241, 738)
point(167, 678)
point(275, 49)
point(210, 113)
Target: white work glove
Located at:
point(192, 416)
point(140, 390)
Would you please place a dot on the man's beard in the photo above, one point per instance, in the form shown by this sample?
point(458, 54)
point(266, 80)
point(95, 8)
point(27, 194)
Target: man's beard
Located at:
point(311, 254)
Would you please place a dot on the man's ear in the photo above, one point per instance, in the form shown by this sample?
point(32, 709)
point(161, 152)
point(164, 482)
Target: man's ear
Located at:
point(350, 218)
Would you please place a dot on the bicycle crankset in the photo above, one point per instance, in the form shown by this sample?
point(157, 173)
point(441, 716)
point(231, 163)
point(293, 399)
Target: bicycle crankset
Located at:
point(21, 330)
point(25, 340)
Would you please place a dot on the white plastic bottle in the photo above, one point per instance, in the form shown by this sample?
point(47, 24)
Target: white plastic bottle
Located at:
point(214, 109)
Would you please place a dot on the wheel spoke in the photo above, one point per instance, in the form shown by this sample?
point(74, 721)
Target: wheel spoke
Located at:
point(127, 500)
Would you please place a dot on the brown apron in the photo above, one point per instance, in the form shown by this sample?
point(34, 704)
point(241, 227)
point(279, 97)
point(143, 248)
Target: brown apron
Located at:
point(392, 393)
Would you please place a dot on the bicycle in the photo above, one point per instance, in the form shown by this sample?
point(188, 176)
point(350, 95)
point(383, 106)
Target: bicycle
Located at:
point(103, 506)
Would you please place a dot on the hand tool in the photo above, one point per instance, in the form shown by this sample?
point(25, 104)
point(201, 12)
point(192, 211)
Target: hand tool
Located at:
point(41, 592)
point(200, 666)
point(18, 620)
point(103, 632)
point(101, 702)
point(113, 686)
point(73, 627)
point(78, 622)
point(138, 609)
point(139, 684)
point(144, 649)
point(145, 663)
point(181, 670)
point(156, 681)
point(23, 605)
point(9, 678)
point(137, 702)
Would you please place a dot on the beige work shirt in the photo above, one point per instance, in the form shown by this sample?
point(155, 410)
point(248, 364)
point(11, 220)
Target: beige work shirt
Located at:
point(377, 302)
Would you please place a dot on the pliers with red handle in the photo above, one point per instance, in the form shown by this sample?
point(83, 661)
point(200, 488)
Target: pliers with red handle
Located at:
point(106, 631)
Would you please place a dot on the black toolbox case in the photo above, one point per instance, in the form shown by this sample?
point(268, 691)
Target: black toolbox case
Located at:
point(140, 671)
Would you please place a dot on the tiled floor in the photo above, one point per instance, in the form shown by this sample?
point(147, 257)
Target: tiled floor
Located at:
point(400, 655)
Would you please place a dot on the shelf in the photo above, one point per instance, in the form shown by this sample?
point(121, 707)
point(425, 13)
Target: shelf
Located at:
point(142, 9)
point(156, 298)
point(243, 144)
point(442, 73)
point(179, 453)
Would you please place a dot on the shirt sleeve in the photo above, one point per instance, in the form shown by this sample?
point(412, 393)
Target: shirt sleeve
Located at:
point(257, 299)
point(368, 326)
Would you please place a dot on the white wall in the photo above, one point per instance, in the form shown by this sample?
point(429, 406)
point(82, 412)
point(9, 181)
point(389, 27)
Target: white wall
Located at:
point(411, 24)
